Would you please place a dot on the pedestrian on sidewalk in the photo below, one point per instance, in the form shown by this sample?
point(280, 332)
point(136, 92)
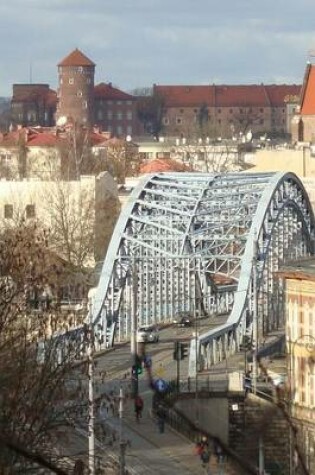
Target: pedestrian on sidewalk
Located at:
point(138, 407)
point(161, 416)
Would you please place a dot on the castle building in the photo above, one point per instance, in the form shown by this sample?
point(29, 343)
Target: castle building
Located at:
point(175, 111)
point(227, 110)
point(76, 89)
point(77, 100)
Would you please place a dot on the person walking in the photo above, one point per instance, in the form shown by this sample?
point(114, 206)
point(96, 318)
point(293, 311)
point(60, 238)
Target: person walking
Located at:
point(161, 416)
point(138, 407)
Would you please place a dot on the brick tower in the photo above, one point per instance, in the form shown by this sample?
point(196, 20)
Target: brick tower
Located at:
point(76, 89)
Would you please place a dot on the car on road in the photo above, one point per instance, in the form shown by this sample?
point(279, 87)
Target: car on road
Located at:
point(183, 321)
point(148, 335)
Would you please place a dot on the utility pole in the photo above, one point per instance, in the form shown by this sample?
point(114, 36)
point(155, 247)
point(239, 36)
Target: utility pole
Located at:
point(261, 456)
point(122, 443)
point(196, 340)
point(91, 417)
point(134, 327)
point(255, 317)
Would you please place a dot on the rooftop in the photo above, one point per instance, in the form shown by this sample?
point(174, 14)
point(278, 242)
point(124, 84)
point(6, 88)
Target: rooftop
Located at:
point(76, 58)
point(300, 269)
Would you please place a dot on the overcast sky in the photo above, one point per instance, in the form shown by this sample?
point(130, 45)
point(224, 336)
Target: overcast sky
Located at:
point(137, 43)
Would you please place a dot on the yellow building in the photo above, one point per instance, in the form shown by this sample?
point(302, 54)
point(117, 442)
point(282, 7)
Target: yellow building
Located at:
point(299, 278)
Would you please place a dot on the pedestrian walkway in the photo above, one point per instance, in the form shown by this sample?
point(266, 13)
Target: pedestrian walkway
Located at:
point(167, 453)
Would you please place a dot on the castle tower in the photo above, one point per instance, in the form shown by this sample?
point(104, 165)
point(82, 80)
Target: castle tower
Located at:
point(76, 89)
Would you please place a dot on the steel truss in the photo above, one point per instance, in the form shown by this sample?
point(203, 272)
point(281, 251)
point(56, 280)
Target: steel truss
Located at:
point(186, 242)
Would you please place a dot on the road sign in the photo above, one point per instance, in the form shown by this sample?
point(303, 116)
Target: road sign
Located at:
point(161, 385)
point(160, 371)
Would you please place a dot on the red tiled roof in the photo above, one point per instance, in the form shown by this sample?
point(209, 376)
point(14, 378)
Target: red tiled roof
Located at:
point(34, 92)
point(76, 58)
point(43, 139)
point(163, 165)
point(107, 91)
point(308, 91)
point(96, 138)
point(185, 96)
point(227, 95)
point(280, 94)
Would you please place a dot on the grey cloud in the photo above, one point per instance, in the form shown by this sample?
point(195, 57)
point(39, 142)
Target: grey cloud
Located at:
point(141, 42)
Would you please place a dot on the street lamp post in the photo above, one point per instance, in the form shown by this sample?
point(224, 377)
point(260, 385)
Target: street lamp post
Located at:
point(134, 328)
point(255, 318)
point(91, 416)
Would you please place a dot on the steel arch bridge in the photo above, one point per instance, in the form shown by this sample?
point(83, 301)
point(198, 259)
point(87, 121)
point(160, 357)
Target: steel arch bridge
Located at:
point(203, 244)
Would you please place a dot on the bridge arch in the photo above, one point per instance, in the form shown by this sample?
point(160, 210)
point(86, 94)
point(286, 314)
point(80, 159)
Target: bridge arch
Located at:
point(188, 242)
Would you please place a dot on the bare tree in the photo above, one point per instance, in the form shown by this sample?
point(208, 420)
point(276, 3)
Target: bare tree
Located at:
point(150, 111)
point(33, 384)
point(75, 150)
point(122, 159)
point(71, 215)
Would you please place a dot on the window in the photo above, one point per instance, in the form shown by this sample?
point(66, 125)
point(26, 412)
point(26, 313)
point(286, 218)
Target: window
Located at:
point(241, 110)
point(179, 120)
point(71, 81)
point(5, 158)
point(129, 103)
point(219, 111)
point(80, 69)
point(8, 211)
point(181, 111)
point(261, 110)
point(231, 111)
point(119, 130)
point(79, 93)
point(118, 103)
point(166, 121)
point(88, 81)
point(261, 121)
point(119, 115)
point(84, 105)
point(100, 114)
point(30, 211)
point(129, 115)
point(109, 115)
point(129, 130)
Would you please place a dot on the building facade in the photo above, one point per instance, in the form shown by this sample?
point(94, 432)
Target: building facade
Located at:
point(303, 122)
point(88, 209)
point(299, 280)
point(227, 111)
point(33, 104)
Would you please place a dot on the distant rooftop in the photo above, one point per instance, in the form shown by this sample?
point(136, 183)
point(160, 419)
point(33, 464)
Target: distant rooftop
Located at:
point(303, 268)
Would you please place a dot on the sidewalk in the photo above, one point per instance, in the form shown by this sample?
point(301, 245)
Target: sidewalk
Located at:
point(169, 453)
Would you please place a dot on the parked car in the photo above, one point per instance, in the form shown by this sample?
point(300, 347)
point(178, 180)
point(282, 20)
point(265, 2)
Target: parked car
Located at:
point(148, 335)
